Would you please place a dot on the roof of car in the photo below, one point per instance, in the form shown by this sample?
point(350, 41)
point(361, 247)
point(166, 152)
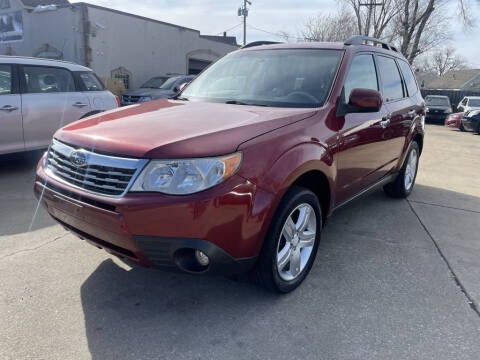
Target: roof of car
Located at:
point(472, 97)
point(436, 96)
point(324, 45)
point(40, 61)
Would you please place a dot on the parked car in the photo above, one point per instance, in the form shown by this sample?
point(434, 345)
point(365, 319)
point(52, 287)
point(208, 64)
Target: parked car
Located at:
point(454, 121)
point(438, 108)
point(38, 96)
point(471, 121)
point(159, 87)
point(469, 103)
point(240, 171)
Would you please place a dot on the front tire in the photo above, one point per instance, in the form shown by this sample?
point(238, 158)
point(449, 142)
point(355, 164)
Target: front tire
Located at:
point(292, 241)
point(403, 184)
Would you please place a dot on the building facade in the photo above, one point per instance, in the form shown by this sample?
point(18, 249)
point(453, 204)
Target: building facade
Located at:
point(114, 44)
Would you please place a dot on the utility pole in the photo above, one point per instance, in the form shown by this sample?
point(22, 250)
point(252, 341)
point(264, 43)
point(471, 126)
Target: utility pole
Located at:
point(370, 5)
point(243, 11)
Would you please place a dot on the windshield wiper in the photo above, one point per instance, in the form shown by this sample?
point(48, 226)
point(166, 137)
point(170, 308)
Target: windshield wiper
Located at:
point(176, 97)
point(236, 102)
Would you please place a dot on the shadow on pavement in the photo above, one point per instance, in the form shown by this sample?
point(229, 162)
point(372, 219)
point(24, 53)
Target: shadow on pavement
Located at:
point(18, 203)
point(378, 290)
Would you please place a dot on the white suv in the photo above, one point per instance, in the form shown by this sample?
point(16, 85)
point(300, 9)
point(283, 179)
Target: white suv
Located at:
point(38, 96)
point(469, 103)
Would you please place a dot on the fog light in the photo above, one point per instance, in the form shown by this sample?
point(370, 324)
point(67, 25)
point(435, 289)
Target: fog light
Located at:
point(202, 258)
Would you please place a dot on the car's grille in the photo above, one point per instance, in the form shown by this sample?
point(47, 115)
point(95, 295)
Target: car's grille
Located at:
point(130, 99)
point(97, 173)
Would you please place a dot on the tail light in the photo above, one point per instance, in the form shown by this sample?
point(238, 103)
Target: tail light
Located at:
point(118, 100)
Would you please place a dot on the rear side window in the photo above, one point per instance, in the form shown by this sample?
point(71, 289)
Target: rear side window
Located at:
point(5, 79)
point(391, 80)
point(91, 82)
point(362, 75)
point(408, 77)
point(44, 79)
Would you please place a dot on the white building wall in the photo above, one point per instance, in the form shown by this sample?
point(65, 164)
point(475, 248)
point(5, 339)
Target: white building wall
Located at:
point(59, 29)
point(145, 48)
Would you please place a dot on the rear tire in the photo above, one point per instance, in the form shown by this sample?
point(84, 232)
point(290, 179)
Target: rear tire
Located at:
point(292, 241)
point(403, 184)
point(462, 128)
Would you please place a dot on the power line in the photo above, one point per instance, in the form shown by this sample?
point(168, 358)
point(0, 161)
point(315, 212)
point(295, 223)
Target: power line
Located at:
point(276, 34)
point(233, 27)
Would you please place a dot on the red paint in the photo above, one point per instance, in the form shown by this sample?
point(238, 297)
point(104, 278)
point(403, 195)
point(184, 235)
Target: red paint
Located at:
point(278, 144)
point(454, 120)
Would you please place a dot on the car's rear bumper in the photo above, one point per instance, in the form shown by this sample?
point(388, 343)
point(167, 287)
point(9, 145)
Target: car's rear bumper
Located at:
point(155, 230)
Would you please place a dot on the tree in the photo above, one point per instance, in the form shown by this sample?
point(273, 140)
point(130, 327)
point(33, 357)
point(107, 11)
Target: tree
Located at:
point(337, 27)
point(416, 26)
point(443, 60)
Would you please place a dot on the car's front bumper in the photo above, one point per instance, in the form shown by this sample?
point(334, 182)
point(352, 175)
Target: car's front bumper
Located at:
point(470, 124)
point(453, 123)
point(226, 223)
point(436, 117)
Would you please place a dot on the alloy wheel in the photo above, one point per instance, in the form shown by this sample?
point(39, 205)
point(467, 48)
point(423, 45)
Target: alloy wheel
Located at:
point(296, 242)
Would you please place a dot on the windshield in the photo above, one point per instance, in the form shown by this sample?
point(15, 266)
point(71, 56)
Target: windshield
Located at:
point(437, 101)
point(281, 78)
point(170, 83)
point(474, 103)
point(155, 82)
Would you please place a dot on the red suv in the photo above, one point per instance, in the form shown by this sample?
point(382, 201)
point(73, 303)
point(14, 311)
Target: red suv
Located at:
point(240, 171)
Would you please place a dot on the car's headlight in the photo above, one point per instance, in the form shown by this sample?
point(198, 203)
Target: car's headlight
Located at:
point(427, 109)
point(144, 99)
point(186, 176)
point(447, 111)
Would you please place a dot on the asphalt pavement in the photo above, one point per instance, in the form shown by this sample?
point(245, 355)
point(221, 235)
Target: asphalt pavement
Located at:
point(393, 279)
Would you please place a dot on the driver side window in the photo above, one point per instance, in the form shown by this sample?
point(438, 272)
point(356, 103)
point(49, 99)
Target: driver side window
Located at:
point(362, 74)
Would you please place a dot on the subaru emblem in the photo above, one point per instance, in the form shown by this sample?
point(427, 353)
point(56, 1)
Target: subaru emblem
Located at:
point(78, 158)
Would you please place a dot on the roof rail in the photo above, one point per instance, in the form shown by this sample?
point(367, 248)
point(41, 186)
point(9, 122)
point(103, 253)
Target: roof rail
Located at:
point(258, 43)
point(362, 40)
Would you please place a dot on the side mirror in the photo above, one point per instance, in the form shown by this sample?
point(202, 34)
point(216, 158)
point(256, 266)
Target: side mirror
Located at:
point(364, 100)
point(182, 86)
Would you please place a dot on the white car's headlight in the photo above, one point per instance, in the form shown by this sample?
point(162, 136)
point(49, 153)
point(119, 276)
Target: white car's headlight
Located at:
point(186, 176)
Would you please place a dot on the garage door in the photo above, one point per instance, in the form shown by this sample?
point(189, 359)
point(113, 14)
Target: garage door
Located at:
point(195, 66)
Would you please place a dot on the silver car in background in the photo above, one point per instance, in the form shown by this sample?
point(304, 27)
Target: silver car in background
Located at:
point(38, 96)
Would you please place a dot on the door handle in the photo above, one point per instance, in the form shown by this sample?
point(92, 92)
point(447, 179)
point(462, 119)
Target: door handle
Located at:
point(9, 108)
point(80, 104)
point(385, 122)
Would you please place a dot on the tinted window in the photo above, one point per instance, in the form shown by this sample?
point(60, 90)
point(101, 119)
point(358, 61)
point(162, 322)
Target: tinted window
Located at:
point(281, 78)
point(391, 80)
point(5, 79)
point(155, 82)
point(362, 75)
point(437, 101)
point(91, 82)
point(474, 102)
point(408, 77)
point(42, 79)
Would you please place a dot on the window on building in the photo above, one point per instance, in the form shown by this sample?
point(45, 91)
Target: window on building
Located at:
point(4, 4)
point(391, 80)
point(362, 75)
point(5, 79)
point(123, 75)
point(408, 77)
point(43, 79)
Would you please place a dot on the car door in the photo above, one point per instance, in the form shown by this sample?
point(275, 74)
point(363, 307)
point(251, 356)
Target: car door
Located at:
point(11, 131)
point(461, 106)
point(401, 109)
point(49, 101)
point(100, 99)
point(361, 160)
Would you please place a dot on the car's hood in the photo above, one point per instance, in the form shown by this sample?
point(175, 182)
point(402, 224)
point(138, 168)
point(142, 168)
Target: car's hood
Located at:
point(177, 129)
point(148, 92)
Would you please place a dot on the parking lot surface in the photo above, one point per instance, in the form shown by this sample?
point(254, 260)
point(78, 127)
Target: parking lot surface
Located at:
point(393, 279)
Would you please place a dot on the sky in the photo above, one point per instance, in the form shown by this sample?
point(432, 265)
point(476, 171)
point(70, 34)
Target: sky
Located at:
point(270, 17)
